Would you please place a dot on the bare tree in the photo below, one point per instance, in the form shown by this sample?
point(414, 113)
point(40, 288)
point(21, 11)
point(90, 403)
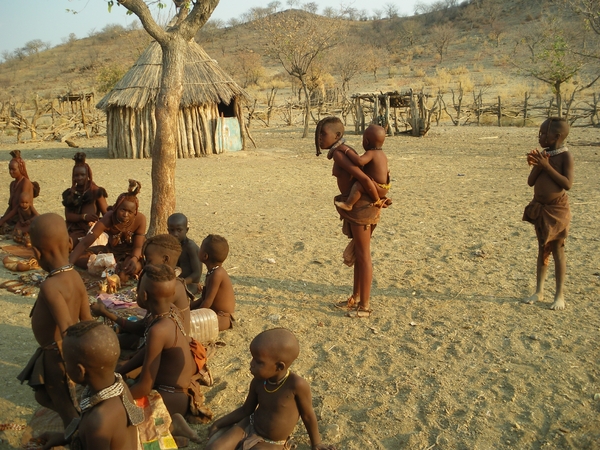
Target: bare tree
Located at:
point(589, 10)
point(441, 36)
point(311, 7)
point(347, 63)
point(164, 151)
point(274, 6)
point(552, 59)
point(390, 10)
point(296, 41)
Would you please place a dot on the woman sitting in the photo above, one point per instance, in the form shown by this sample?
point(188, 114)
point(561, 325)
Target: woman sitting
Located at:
point(84, 201)
point(126, 229)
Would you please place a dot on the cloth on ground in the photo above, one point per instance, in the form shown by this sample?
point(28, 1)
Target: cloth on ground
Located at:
point(551, 221)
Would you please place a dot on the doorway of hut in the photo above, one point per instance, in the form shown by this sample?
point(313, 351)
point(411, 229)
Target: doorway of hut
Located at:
point(228, 136)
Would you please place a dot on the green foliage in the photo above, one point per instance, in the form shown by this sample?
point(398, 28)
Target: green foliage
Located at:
point(108, 77)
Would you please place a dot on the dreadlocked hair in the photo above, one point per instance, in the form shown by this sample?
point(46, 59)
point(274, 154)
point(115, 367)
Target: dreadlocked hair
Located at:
point(159, 273)
point(216, 247)
point(130, 195)
point(79, 159)
point(165, 241)
point(325, 121)
point(82, 328)
point(16, 156)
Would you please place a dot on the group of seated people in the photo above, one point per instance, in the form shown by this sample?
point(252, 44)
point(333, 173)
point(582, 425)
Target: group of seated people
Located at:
point(76, 348)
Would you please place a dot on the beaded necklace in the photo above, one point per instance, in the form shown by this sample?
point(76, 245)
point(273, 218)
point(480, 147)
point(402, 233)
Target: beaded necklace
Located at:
point(210, 272)
point(62, 269)
point(278, 383)
point(555, 152)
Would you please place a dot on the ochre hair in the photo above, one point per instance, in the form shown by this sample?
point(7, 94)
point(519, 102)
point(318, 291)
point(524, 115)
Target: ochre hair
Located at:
point(16, 156)
point(327, 121)
point(166, 241)
point(159, 273)
point(79, 159)
point(81, 328)
point(217, 247)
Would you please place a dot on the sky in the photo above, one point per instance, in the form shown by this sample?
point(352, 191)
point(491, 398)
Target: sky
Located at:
point(22, 21)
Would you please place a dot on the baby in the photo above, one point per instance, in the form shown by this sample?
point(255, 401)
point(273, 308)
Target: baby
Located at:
point(275, 401)
point(374, 163)
point(217, 293)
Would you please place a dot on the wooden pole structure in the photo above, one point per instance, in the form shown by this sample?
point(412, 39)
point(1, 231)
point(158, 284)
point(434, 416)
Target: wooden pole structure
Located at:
point(499, 112)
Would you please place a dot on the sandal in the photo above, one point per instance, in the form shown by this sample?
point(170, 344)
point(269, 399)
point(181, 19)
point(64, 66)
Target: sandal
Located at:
point(12, 285)
point(349, 304)
point(360, 313)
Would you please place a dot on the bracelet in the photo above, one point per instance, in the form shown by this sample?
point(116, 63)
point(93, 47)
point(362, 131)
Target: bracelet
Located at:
point(345, 150)
point(83, 217)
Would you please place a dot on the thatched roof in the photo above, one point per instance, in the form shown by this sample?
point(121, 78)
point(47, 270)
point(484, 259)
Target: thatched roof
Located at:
point(203, 81)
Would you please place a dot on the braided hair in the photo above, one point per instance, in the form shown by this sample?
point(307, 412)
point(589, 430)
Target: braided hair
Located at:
point(325, 121)
point(159, 273)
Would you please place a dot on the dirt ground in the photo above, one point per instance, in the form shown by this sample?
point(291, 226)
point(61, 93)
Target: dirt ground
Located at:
point(450, 358)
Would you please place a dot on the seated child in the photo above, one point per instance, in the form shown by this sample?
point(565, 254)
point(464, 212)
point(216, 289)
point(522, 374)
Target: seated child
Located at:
point(126, 229)
point(217, 293)
point(188, 262)
point(21, 184)
point(374, 163)
point(275, 401)
point(169, 365)
point(26, 214)
point(62, 302)
point(109, 415)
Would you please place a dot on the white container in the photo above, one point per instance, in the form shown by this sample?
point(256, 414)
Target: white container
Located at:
point(204, 325)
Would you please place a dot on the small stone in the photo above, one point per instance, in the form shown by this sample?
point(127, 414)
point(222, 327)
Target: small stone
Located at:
point(413, 324)
point(533, 337)
point(597, 396)
point(271, 260)
point(274, 317)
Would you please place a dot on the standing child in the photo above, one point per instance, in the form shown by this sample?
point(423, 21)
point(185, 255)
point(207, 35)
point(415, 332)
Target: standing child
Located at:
point(551, 176)
point(62, 302)
point(21, 184)
point(374, 164)
point(275, 401)
point(188, 262)
point(108, 413)
point(217, 293)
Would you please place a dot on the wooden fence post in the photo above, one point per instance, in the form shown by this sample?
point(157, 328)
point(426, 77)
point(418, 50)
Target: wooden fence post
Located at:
point(499, 112)
point(525, 110)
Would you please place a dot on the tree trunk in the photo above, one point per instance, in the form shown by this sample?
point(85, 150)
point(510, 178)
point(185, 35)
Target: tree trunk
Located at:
point(306, 107)
point(164, 150)
point(557, 86)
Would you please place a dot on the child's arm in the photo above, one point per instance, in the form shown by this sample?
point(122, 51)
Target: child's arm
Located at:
point(195, 265)
point(235, 416)
point(307, 413)
point(344, 162)
point(155, 343)
point(137, 360)
point(359, 160)
point(139, 237)
point(99, 309)
point(213, 283)
point(564, 180)
point(88, 240)
point(34, 212)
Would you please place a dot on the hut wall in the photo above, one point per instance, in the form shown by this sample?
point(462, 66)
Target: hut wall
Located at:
point(130, 133)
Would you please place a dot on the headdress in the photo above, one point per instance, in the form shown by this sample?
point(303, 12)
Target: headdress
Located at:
point(130, 195)
point(16, 156)
point(79, 159)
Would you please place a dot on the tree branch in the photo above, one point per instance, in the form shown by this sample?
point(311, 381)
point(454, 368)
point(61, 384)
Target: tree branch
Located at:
point(199, 15)
point(141, 10)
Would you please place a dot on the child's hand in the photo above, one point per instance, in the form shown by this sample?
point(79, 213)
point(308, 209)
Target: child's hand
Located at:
point(98, 309)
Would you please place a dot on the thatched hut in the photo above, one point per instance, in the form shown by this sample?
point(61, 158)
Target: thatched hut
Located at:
point(210, 114)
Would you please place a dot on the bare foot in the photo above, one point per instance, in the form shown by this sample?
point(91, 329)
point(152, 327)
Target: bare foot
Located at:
point(559, 303)
point(534, 298)
point(343, 206)
point(179, 427)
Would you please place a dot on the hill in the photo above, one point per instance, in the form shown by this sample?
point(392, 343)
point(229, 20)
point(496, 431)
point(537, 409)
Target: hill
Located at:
point(478, 45)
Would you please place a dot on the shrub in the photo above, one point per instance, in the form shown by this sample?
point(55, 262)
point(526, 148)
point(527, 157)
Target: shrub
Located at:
point(108, 77)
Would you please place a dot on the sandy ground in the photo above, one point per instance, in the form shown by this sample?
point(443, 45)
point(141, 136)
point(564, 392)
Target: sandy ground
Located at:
point(450, 359)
